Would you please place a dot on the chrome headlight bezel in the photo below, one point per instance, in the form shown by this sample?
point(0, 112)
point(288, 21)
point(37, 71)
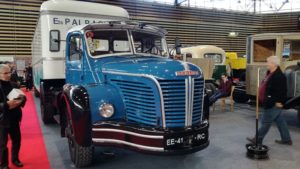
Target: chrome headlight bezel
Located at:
point(106, 110)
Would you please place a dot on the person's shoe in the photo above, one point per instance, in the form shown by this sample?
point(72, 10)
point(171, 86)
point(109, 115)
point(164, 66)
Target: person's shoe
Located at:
point(251, 140)
point(284, 142)
point(18, 163)
point(5, 167)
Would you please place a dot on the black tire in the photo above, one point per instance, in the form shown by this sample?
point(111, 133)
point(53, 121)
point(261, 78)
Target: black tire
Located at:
point(80, 156)
point(46, 108)
point(210, 89)
point(298, 115)
point(240, 97)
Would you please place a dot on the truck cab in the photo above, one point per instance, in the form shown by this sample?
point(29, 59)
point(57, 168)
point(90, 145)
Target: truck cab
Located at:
point(110, 82)
point(122, 90)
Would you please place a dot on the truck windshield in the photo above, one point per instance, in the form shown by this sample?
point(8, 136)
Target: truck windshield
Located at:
point(149, 43)
point(214, 56)
point(107, 42)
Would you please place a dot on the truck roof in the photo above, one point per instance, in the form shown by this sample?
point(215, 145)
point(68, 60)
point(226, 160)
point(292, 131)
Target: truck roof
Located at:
point(70, 6)
point(203, 49)
point(122, 25)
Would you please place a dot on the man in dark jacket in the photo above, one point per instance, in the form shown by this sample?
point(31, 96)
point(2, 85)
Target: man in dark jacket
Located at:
point(272, 96)
point(10, 118)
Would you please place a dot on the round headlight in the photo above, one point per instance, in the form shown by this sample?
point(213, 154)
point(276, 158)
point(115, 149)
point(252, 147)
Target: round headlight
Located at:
point(106, 110)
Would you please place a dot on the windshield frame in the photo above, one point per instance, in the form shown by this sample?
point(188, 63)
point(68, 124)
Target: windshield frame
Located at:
point(112, 54)
point(163, 42)
point(130, 40)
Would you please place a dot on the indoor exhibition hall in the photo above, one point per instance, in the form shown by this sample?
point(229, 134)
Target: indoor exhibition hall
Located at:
point(150, 84)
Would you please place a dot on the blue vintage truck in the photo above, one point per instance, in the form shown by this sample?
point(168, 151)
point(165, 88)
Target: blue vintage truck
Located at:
point(121, 89)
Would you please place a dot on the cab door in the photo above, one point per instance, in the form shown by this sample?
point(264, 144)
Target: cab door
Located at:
point(74, 59)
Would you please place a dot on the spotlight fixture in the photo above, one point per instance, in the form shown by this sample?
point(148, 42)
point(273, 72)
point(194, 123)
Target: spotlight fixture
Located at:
point(233, 34)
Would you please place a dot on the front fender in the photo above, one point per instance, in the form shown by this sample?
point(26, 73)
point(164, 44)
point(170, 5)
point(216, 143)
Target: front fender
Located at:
point(78, 112)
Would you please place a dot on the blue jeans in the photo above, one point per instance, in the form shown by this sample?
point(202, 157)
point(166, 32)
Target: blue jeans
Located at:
point(268, 116)
point(216, 96)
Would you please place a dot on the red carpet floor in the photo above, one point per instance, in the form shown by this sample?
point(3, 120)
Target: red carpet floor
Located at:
point(33, 151)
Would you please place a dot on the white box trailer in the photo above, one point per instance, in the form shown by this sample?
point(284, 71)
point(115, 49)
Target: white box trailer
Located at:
point(48, 45)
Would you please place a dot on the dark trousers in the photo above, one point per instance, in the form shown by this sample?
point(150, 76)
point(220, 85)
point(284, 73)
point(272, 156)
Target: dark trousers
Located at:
point(29, 84)
point(268, 117)
point(15, 134)
point(216, 96)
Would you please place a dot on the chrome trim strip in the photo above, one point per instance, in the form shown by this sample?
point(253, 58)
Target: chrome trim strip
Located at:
point(128, 132)
point(189, 100)
point(97, 140)
point(202, 99)
point(295, 89)
point(297, 84)
point(189, 93)
point(158, 88)
point(186, 102)
point(192, 100)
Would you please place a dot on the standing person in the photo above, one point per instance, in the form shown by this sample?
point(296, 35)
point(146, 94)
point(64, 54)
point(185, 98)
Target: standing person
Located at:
point(29, 78)
point(224, 89)
point(14, 73)
point(272, 95)
point(10, 118)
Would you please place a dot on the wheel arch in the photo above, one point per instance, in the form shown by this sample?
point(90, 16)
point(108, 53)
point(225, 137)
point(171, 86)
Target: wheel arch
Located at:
point(76, 111)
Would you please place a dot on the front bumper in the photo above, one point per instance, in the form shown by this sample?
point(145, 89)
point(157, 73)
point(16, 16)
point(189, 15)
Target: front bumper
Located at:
point(151, 140)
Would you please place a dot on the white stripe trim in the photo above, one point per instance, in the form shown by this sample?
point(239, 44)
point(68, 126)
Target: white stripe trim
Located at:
point(128, 143)
point(128, 132)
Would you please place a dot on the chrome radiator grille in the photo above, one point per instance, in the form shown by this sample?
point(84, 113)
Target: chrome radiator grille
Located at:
point(139, 101)
point(182, 101)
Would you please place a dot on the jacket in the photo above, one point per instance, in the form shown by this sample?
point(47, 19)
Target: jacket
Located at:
point(276, 89)
point(225, 87)
point(9, 117)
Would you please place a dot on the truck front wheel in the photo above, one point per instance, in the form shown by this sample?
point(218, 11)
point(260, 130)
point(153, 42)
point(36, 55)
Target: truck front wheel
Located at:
point(80, 156)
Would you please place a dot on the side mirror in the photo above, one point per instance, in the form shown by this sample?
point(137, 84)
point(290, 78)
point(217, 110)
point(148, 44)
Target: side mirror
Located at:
point(177, 46)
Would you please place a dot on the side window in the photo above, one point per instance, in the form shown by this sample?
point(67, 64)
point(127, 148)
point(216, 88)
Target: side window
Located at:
point(54, 41)
point(75, 48)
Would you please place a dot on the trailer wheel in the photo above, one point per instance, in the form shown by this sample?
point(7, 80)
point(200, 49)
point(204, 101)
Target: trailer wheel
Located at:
point(210, 89)
point(80, 156)
point(36, 92)
point(46, 107)
point(240, 96)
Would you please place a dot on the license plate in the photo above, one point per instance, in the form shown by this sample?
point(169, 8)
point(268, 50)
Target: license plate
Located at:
point(190, 139)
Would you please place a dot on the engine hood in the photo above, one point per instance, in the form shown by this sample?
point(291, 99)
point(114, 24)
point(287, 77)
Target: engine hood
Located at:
point(158, 67)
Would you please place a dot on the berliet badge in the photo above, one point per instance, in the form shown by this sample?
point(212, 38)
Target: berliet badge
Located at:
point(187, 73)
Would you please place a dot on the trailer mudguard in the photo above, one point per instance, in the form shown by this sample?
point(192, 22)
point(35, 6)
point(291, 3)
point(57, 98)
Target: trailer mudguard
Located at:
point(78, 112)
